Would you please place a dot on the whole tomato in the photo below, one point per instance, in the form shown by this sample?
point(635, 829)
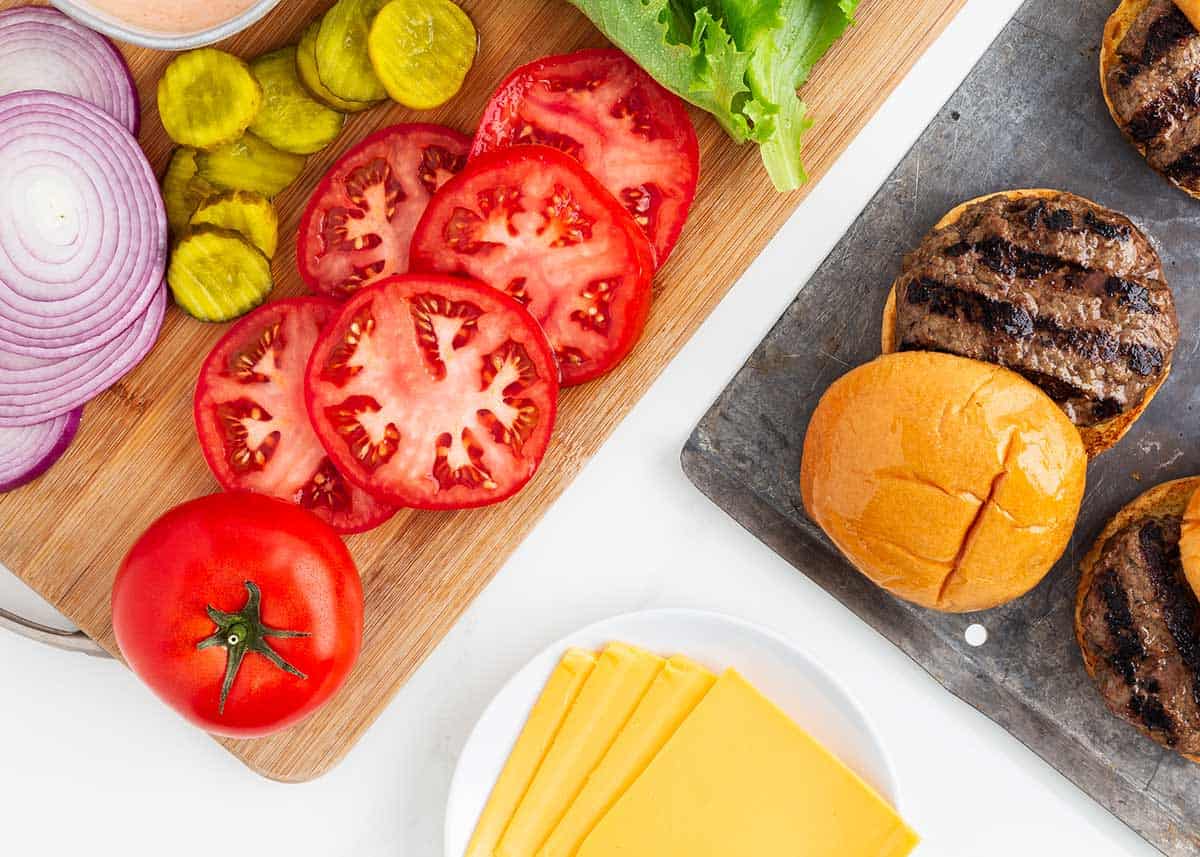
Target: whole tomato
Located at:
point(242, 612)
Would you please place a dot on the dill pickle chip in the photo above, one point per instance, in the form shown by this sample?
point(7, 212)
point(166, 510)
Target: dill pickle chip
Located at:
point(422, 50)
point(249, 164)
point(306, 66)
point(207, 98)
point(216, 275)
point(183, 191)
point(342, 60)
point(245, 212)
point(291, 120)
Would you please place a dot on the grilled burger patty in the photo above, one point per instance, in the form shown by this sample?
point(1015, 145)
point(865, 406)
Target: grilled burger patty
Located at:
point(1154, 91)
point(1067, 293)
point(1139, 626)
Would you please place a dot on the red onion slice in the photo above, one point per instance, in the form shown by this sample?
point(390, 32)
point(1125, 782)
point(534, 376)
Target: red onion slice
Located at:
point(41, 48)
point(33, 390)
point(83, 233)
point(26, 453)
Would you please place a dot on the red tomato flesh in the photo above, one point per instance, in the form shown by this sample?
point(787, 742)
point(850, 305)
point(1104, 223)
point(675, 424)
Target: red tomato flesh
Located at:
point(252, 420)
point(532, 223)
point(359, 221)
point(434, 392)
point(201, 554)
point(602, 109)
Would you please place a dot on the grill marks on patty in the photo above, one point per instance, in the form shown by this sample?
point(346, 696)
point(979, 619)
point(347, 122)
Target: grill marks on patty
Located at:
point(1140, 629)
point(1154, 86)
point(1065, 293)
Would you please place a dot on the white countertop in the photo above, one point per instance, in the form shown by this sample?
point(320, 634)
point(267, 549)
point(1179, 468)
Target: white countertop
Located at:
point(91, 764)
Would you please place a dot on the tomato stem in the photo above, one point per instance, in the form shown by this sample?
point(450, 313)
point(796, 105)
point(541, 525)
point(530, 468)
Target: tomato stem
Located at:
point(242, 632)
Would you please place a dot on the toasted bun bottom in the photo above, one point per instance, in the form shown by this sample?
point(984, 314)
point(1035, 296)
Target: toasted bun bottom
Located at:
point(1103, 435)
point(1189, 540)
point(1114, 33)
point(1167, 499)
point(952, 483)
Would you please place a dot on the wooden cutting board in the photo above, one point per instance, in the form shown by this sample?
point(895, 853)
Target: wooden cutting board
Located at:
point(136, 455)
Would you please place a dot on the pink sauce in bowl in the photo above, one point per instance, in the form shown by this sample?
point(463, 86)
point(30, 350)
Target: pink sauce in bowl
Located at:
point(167, 24)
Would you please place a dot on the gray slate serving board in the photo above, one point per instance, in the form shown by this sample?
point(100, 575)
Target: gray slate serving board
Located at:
point(1029, 115)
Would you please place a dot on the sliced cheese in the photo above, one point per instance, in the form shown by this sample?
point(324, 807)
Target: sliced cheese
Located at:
point(672, 696)
point(535, 739)
point(741, 778)
point(622, 675)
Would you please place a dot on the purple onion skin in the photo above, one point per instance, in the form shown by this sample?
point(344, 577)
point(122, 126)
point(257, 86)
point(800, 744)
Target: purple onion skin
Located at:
point(45, 459)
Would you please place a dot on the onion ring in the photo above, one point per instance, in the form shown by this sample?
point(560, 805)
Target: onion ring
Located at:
point(26, 453)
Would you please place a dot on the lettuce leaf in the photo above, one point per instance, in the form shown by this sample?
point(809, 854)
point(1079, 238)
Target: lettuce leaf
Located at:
point(740, 60)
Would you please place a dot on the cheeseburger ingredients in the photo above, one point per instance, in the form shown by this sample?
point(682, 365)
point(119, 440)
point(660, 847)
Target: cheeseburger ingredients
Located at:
point(253, 424)
point(952, 483)
point(29, 451)
point(247, 213)
point(1138, 621)
point(740, 61)
point(604, 111)
point(1149, 69)
point(217, 275)
point(242, 612)
point(422, 50)
point(290, 119)
point(41, 48)
point(207, 98)
point(249, 163)
point(359, 221)
point(1051, 285)
point(343, 63)
point(433, 392)
point(530, 222)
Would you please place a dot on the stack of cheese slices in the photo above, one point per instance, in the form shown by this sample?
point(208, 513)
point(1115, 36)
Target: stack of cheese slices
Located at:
point(629, 753)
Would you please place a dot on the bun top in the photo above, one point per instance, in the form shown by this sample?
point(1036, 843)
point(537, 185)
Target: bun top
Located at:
point(954, 484)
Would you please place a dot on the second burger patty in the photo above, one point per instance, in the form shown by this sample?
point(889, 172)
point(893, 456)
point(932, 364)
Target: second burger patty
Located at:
point(1140, 629)
point(1067, 293)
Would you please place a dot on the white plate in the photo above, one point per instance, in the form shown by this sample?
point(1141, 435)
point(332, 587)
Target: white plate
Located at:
point(788, 676)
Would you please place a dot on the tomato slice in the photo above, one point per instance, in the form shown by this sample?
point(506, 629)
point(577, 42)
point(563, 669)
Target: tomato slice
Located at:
point(531, 222)
point(600, 107)
point(253, 423)
point(359, 221)
point(434, 392)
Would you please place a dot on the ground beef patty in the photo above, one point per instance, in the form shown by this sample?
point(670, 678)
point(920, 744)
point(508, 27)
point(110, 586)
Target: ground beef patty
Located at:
point(1067, 293)
point(1139, 626)
point(1153, 88)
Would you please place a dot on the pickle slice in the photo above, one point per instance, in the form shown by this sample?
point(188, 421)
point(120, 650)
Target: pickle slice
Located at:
point(291, 120)
point(342, 60)
point(217, 275)
point(249, 164)
point(422, 50)
point(207, 98)
point(183, 191)
point(306, 66)
point(245, 212)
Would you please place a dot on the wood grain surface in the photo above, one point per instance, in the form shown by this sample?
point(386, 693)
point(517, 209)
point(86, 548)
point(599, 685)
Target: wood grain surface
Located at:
point(136, 454)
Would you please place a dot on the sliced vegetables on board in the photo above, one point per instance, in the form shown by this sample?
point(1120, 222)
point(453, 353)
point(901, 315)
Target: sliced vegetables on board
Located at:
point(182, 190)
point(600, 108)
point(421, 51)
point(532, 223)
point(41, 48)
point(253, 424)
point(291, 120)
point(29, 451)
point(207, 98)
point(343, 63)
point(247, 213)
point(741, 60)
point(85, 233)
point(433, 392)
point(217, 275)
point(306, 65)
point(359, 221)
point(249, 163)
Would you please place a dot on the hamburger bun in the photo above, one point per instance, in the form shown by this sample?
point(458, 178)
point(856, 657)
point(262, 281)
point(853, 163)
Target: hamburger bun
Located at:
point(1096, 438)
point(952, 483)
point(1189, 537)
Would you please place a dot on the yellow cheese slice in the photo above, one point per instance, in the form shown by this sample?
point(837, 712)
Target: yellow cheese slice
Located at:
point(606, 701)
point(535, 739)
point(675, 692)
point(740, 778)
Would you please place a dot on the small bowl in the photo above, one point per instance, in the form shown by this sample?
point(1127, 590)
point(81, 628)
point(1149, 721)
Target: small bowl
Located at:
point(89, 16)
